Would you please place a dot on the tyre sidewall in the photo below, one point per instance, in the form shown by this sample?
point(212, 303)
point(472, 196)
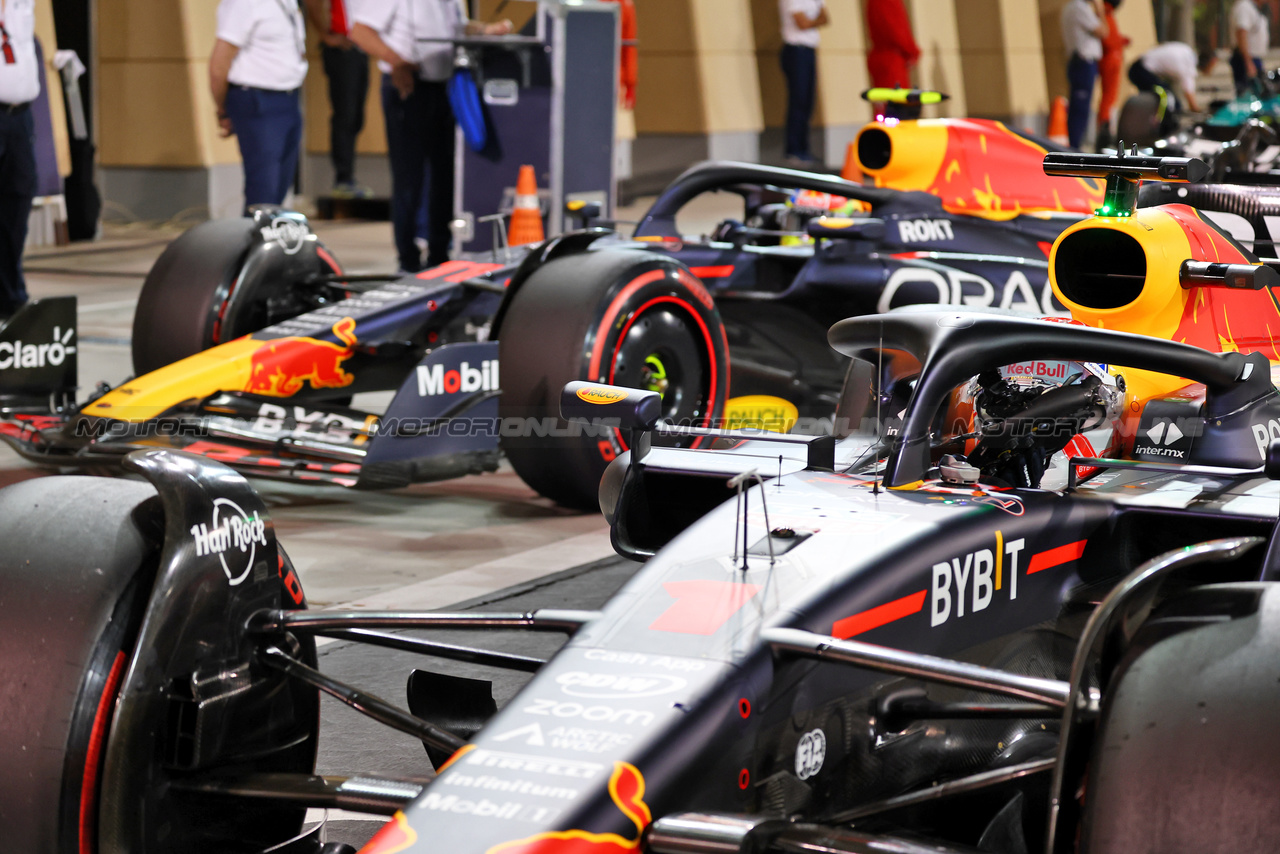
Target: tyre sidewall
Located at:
point(565, 324)
point(70, 601)
point(185, 290)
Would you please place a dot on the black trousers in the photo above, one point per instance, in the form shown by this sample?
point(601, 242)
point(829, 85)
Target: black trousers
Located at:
point(1147, 81)
point(800, 66)
point(348, 73)
point(17, 188)
point(1238, 69)
point(420, 146)
point(1143, 78)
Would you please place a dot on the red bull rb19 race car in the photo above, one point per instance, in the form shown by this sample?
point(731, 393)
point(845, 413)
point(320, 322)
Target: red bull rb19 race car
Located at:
point(874, 643)
point(250, 341)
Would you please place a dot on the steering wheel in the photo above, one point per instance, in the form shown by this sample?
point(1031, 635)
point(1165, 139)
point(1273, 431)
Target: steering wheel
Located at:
point(1021, 422)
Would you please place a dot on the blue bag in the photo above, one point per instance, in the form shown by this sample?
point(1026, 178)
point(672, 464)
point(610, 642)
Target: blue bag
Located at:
point(464, 97)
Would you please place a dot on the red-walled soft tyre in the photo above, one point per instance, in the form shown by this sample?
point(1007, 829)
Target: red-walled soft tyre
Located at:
point(71, 599)
point(623, 317)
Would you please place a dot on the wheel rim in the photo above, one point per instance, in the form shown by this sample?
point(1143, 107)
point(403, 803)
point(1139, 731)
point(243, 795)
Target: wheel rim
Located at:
point(271, 302)
point(659, 351)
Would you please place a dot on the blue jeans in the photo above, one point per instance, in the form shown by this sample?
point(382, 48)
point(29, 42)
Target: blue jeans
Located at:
point(800, 65)
point(420, 147)
point(268, 126)
point(1081, 74)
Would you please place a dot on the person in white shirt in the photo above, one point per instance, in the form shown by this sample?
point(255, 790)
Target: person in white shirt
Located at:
point(800, 22)
point(1251, 36)
point(1172, 63)
point(19, 86)
point(1082, 32)
point(415, 105)
point(256, 68)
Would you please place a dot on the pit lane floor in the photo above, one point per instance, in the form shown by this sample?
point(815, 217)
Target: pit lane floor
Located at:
point(484, 542)
point(426, 546)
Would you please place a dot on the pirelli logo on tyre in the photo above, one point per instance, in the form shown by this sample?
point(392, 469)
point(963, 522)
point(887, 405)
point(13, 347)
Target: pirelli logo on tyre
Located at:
point(601, 395)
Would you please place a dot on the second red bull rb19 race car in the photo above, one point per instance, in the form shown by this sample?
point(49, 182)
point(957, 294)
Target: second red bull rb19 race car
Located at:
point(249, 340)
point(872, 644)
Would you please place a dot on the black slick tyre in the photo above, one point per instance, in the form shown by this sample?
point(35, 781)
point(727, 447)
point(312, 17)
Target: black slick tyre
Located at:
point(219, 281)
point(180, 300)
point(623, 317)
point(1186, 754)
point(72, 595)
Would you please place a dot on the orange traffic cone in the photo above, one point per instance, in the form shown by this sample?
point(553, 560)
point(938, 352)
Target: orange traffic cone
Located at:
point(851, 171)
point(1058, 121)
point(526, 217)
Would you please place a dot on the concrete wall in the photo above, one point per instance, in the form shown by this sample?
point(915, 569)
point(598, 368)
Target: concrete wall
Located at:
point(699, 93)
point(158, 144)
point(710, 86)
point(1004, 62)
point(57, 107)
point(933, 23)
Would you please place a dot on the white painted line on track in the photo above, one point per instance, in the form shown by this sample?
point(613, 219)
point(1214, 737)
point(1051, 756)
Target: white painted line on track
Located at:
point(484, 578)
point(107, 306)
point(330, 815)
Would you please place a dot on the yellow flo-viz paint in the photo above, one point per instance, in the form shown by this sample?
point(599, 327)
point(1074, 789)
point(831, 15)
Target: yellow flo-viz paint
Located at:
point(226, 367)
point(273, 367)
point(902, 96)
point(760, 412)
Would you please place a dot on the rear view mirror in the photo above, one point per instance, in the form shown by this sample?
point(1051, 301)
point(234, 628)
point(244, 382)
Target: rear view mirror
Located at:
point(846, 228)
point(583, 213)
point(624, 408)
point(1271, 467)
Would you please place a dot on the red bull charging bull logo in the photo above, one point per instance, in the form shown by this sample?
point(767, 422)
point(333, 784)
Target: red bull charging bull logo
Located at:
point(988, 169)
point(280, 367)
point(626, 790)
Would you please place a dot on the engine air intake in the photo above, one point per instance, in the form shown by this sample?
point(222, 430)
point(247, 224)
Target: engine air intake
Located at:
point(1100, 268)
point(875, 148)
